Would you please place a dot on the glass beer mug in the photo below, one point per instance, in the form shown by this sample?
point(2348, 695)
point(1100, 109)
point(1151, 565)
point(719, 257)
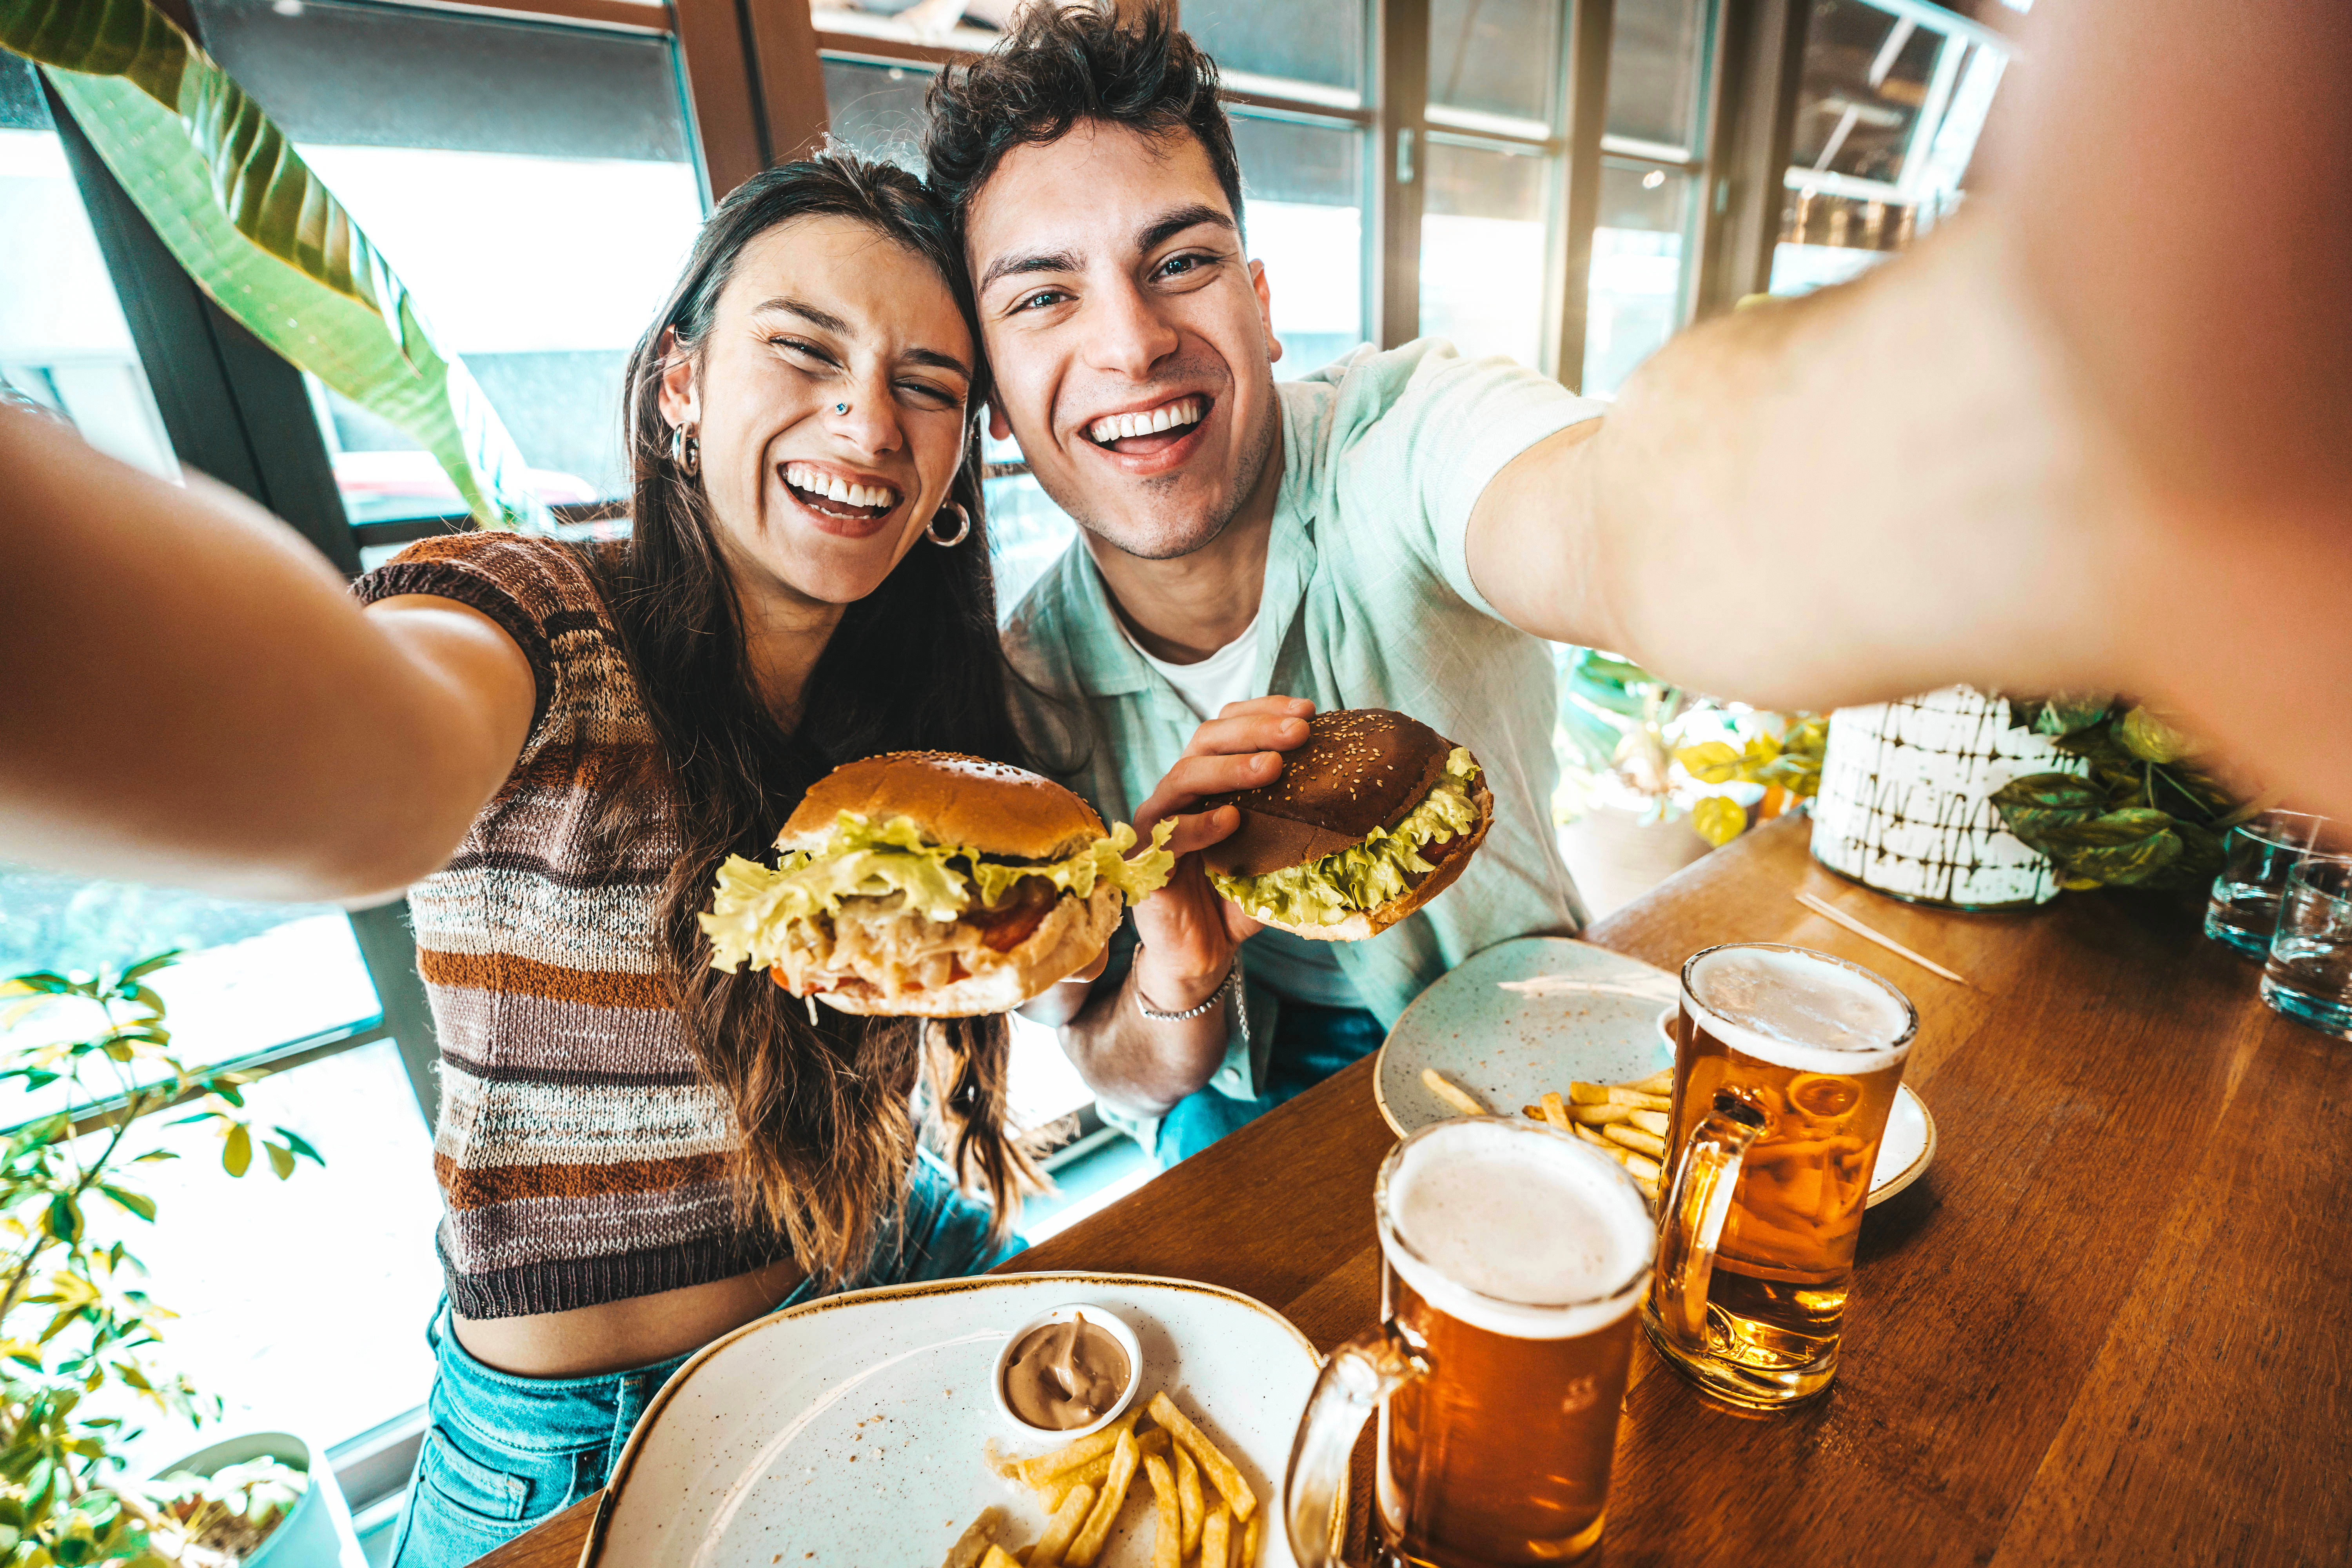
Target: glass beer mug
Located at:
point(1786, 1063)
point(1513, 1259)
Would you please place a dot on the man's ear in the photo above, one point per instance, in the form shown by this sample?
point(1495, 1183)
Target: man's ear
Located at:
point(681, 403)
point(1266, 311)
point(999, 427)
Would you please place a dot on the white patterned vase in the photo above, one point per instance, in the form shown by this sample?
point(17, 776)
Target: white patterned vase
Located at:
point(1905, 803)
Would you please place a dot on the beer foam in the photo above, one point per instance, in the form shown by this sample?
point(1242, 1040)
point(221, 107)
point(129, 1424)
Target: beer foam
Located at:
point(1514, 1230)
point(1798, 1010)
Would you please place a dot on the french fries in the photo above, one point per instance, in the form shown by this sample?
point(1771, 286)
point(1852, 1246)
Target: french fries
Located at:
point(1063, 1527)
point(1453, 1093)
point(1216, 1536)
point(1168, 1532)
point(976, 1538)
point(1626, 1121)
point(1188, 1500)
point(1213, 1461)
point(1089, 1542)
point(1205, 1514)
point(1095, 1471)
point(1036, 1471)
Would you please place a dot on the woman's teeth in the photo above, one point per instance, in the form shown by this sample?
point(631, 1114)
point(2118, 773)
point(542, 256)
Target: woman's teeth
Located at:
point(830, 487)
point(1119, 427)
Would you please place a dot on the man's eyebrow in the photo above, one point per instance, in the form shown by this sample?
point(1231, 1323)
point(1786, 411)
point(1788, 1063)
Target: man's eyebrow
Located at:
point(823, 320)
point(1162, 230)
point(1041, 261)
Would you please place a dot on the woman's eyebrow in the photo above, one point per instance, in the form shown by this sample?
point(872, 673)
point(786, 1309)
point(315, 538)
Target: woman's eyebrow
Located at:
point(823, 320)
point(938, 361)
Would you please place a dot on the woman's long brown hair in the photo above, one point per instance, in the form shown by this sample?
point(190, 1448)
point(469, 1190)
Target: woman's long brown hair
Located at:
point(824, 1108)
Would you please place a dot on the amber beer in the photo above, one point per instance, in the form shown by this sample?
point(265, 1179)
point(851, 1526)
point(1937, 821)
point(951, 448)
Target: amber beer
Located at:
point(1513, 1260)
point(1786, 1066)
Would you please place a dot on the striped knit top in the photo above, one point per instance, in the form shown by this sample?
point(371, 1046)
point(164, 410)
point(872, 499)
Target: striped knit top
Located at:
point(581, 1154)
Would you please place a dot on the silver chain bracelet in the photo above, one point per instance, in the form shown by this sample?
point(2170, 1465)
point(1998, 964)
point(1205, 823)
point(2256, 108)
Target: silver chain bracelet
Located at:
point(1232, 983)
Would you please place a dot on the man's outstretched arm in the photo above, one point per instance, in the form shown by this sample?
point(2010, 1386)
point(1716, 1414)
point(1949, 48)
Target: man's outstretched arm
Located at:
point(1876, 489)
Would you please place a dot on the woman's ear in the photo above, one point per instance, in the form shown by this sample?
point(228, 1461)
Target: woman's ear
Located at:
point(681, 403)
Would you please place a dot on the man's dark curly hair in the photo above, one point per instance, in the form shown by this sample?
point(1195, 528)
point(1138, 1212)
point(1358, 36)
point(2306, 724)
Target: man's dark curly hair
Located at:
point(1058, 67)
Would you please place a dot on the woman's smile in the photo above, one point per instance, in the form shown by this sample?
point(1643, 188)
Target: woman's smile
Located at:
point(844, 504)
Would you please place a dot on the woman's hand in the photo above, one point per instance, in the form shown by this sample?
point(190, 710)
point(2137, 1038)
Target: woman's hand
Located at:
point(1189, 932)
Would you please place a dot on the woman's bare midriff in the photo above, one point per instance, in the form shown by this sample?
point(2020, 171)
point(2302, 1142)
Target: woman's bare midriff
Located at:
point(619, 1336)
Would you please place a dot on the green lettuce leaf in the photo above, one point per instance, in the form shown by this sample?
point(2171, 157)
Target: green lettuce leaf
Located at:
point(1362, 876)
point(753, 906)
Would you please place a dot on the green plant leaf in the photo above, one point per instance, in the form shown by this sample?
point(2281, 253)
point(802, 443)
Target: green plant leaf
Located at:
point(259, 232)
point(64, 1217)
point(300, 1145)
point(1719, 819)
point(236, 1151)
point(147, 966)
point(2152, 739)
point(2059, 712)
point(139, 1204)
point(281, 1159)
point(1710, 761)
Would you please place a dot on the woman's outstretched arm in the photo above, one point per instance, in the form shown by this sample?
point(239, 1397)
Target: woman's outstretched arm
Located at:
point(189, 696)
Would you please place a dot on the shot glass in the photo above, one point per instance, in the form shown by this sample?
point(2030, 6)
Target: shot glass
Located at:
point(2309, 975)
point(2255, 860)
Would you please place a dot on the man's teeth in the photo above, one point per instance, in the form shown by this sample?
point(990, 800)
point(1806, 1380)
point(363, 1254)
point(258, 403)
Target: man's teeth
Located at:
point(801, 476)
point(1119, 427)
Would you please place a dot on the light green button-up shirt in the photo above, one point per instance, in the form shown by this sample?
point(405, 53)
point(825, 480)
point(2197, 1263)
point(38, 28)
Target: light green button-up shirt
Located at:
point(1368, 603)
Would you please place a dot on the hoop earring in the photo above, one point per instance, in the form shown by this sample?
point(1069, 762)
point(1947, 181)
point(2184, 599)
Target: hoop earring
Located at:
point(684, 450)
point(963, 526)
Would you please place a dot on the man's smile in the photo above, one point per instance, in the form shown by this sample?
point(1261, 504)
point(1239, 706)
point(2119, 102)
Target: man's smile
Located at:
point(1155, 439)
point(1131, 433)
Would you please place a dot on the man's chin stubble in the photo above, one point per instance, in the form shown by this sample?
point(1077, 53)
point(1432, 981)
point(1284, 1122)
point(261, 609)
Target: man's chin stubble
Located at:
point(1199, 535)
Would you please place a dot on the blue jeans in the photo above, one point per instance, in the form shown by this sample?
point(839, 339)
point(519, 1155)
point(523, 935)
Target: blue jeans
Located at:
point(1310, 1043)
point(502, 1454)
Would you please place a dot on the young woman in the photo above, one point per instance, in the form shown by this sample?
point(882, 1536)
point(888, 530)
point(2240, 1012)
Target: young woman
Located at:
point(557, 745)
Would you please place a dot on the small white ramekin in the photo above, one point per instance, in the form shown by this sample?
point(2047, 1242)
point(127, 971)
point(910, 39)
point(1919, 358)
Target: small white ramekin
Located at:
point(1667, 1024)
point(1112, 1324)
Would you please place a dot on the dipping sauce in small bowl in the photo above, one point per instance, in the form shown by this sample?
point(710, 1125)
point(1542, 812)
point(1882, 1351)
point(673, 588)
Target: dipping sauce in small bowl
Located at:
point(1068, 1372)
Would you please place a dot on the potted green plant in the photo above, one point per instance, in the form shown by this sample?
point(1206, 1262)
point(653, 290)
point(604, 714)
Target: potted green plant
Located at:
point(78, 1329)
point(2147, 811)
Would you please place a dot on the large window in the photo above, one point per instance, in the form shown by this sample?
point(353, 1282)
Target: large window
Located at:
point(1490, 171)
point(1894, 98)
point(531, 183)
point(63, 341)
point(1644, 273)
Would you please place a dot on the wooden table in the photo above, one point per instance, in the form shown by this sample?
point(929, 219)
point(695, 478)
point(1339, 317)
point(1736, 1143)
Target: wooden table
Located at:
point(2108, 1325)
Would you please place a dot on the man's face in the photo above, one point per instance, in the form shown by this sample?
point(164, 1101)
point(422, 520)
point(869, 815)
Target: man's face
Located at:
point(1131, 340)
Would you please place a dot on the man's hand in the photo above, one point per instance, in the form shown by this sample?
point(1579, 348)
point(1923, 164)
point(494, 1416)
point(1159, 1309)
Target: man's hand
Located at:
point(1188, 930)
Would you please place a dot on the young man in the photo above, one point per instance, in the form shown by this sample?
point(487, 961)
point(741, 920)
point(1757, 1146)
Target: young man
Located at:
point(1304, 539)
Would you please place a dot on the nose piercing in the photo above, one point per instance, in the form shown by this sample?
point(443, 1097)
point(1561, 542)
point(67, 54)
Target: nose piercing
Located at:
point(841, 408)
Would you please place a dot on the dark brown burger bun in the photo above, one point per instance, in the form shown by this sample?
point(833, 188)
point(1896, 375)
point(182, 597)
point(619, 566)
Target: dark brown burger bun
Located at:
point(1358, 769)
point(1453, 857)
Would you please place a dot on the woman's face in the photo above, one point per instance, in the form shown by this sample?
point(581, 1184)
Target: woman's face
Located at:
point(829, 399)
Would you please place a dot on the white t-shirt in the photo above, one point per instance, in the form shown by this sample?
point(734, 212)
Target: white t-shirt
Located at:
point(1224, 677)
point(1295, 967)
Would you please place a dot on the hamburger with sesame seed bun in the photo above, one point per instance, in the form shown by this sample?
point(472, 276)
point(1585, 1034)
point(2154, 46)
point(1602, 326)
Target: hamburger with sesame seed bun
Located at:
point(930, 885)
point(1372, 817)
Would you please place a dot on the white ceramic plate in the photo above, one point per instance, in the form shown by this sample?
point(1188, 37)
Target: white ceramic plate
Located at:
point(1508, 1047)
point(849, 1433)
